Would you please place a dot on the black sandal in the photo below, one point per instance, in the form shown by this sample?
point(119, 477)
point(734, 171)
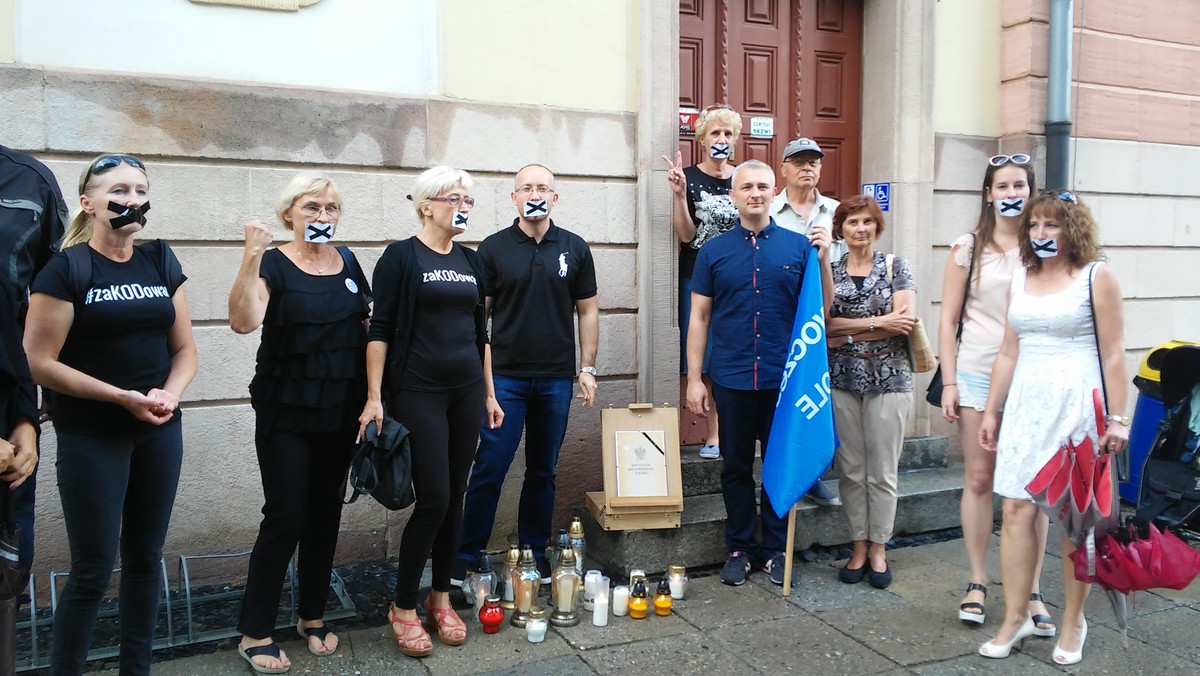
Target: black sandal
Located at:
point(1048, 632)
point(268, 650)
point(320, 633)
point(964, 609)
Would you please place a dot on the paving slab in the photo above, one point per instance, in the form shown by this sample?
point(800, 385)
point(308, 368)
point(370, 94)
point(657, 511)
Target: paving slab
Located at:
point(908, 632)
point(620, 630)
point(802, 645)
point(507, 649)
point(687, 654)
point(710, 604)
point(567, 665)
point(820, 590)
point(1106, 653)
point(1175, 627)
point(1016, 664)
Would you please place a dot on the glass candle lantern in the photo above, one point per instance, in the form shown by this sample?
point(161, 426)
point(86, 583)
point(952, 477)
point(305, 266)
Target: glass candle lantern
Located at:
point(529, 582)
point(508, 578)
point(678, 580)
point(590, 580)
point(480, 583)
point(620, 600)
point(566, 586)
point(638, 603)
point(662, 598)
point(491, 615)
point(535, 625)
point(577, 542)
point(635, 575)
point(600, 603)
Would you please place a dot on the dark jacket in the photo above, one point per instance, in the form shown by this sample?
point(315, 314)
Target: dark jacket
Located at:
point(32, 219)
point(396, 281)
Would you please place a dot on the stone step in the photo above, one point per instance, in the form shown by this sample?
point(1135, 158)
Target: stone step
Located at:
point(929, 501)
point(703, 477)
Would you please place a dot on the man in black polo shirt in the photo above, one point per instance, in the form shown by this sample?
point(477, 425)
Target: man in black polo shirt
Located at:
point(32, 219)
point(537, 277)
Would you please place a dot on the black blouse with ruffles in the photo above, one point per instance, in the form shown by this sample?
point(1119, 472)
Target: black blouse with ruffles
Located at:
point(311, 367)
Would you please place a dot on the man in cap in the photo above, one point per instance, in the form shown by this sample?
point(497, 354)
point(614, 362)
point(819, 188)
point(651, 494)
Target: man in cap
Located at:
point(801, 208)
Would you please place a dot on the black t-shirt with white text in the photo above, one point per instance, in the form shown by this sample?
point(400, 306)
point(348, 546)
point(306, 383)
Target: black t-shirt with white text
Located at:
point(442, 354)
point(119, 334)
point(711, 210)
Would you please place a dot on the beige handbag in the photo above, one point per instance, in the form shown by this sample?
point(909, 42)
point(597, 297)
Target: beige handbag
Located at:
point(920, 352)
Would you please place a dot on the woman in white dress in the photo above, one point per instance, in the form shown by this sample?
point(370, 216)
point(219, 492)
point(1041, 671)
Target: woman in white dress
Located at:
point(1048, 365)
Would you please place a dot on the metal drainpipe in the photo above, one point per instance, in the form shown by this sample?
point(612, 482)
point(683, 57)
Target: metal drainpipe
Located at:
point(1058, 95)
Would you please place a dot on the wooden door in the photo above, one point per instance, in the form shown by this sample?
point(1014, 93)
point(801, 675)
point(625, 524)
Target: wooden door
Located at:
point(797, 62)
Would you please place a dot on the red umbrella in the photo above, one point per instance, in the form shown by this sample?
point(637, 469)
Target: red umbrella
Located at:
point(1071, 487)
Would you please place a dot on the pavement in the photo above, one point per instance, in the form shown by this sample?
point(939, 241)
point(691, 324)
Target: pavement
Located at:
point(824, 627)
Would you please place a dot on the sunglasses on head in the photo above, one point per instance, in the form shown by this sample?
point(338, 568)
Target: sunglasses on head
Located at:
point(1019, 159)
point(1066, 196)
point(106, 162)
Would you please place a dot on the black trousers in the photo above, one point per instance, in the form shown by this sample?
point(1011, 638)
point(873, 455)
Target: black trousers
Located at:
point(303, 476)
point(117, 492)
point(444, 429)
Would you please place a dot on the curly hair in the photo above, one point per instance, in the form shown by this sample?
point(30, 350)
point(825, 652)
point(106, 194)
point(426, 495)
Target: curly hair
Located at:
point(1079, 232)
point(718, 113)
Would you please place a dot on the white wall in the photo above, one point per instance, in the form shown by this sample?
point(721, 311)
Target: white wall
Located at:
point(373, 45)
point(966, 90)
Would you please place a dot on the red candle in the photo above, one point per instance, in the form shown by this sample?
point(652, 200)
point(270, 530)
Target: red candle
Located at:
point(491, 615)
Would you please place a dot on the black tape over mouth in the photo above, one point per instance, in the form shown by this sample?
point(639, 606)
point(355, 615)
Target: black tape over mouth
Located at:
point(126, 215)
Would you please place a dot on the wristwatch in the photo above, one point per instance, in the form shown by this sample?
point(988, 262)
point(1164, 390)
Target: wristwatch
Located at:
point(1119, 419)
point(849, 339)
point(590, 370)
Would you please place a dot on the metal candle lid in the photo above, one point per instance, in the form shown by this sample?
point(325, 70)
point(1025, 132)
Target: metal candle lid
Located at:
point(537, 613)
point(576, 528)
point(676, 569)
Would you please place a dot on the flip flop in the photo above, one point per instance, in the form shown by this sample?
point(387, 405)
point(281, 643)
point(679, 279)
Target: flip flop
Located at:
point(320, 633)
point(269, 650)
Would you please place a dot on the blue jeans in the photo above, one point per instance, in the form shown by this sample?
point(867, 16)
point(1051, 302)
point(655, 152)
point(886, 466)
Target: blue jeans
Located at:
point(116, 492)
point(746, 417)
point(540, 407)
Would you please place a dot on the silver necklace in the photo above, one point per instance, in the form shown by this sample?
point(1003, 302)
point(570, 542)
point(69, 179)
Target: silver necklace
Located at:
point(320, 271)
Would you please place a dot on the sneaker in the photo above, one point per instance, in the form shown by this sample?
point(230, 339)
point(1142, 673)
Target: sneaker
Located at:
point(710, 452)
point(775, 567)
point(822, 495)
point(458, 573)
point(736, 567)
point(543, 567)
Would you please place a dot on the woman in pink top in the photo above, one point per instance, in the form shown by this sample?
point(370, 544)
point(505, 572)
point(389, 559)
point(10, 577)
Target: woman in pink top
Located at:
point(992, 255)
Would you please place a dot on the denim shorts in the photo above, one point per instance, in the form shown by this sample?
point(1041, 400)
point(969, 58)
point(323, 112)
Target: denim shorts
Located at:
point(973, 390)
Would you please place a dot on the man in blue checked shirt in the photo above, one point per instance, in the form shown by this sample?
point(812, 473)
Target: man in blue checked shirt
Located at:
point(745, 288)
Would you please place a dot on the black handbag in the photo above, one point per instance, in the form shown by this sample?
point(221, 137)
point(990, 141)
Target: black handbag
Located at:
point(382, 466)
point(933, 395)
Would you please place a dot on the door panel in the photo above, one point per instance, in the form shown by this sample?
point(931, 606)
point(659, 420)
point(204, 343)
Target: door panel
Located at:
point(796, 61)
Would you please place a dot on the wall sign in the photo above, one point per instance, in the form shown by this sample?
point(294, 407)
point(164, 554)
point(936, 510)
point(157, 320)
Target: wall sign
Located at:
point(687, 121)
point(882, 192)
point(762, 127)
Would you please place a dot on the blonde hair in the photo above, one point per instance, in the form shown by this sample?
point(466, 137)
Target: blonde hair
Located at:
point(79, 228)
point(304, 183)
point(718, 114)
point(435, 181)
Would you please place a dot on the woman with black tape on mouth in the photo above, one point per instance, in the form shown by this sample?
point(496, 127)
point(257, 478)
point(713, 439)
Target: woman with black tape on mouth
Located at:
point(108, 331)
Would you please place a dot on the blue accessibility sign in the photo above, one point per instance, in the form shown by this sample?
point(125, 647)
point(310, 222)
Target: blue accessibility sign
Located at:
point(882, 192)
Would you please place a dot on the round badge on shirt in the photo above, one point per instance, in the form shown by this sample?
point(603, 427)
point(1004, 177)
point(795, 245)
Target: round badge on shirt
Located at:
point(351, 285)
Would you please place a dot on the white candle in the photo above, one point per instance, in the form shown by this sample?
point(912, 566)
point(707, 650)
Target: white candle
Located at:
point(589, 588)
point(600, 613)
point(620, 600)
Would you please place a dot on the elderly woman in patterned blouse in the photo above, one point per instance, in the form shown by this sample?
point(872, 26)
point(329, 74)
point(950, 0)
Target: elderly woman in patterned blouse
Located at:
point(872, 381)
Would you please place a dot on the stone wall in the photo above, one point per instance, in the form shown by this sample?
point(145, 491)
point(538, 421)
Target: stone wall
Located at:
point(218, 153)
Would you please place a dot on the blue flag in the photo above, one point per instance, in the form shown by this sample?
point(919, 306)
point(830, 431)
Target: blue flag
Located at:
point(801, 444)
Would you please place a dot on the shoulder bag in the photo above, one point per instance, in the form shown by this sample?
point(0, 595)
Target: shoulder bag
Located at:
point(934, 394)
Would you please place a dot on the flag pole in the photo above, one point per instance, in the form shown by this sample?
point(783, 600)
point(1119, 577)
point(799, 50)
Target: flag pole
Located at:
point(787, 562)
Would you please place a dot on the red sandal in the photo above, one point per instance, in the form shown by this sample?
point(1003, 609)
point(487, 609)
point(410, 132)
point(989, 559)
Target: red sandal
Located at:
point(409, 641)
point(450, 632)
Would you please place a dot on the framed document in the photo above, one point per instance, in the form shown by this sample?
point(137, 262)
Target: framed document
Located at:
point(641, 463)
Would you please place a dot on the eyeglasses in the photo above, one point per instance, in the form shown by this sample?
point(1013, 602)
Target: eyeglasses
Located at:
point(314, 211)
point(1067, 196)
point(1019, 159)
point(539, 189)
point(107, 162)
point(454, 200)
point(798, 161)
point(717, 106)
